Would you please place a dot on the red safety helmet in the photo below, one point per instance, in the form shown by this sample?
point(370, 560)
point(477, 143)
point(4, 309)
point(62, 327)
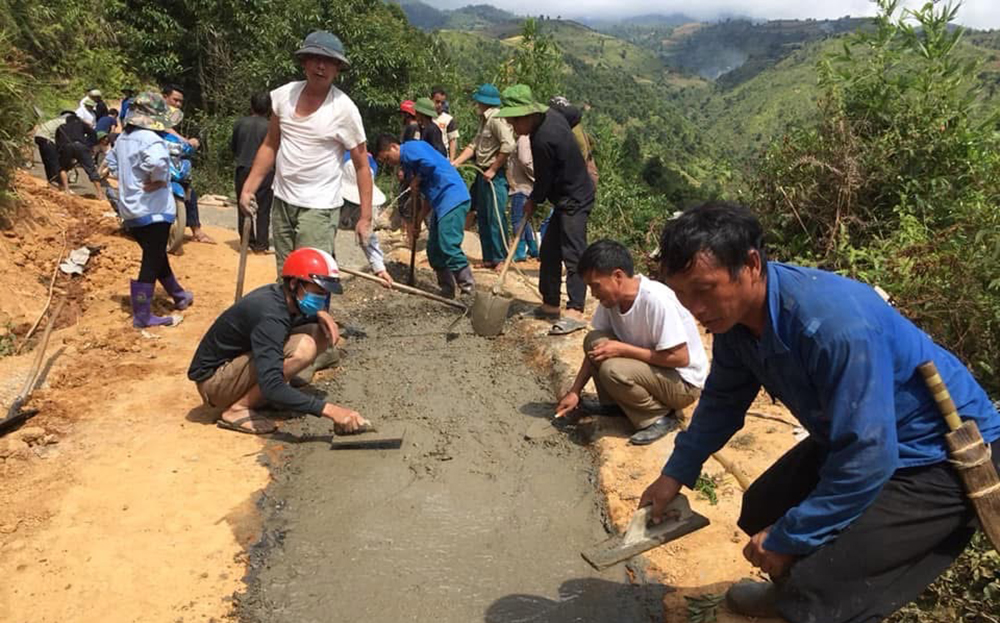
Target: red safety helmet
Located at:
point(408, 107)
point(319, 267)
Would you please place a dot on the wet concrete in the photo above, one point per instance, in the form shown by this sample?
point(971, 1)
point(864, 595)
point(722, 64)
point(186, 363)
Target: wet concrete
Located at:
point(467, 522)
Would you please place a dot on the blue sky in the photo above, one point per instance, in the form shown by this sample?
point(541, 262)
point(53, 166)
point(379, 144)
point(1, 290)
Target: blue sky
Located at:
point(974, 13)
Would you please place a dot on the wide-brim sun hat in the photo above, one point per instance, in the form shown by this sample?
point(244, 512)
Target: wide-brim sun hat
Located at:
point(323, 43)
point(519, 102)
point(150, 111)
point(349, 187)
point(425, 106)
point(487, 94)
point(94, 93)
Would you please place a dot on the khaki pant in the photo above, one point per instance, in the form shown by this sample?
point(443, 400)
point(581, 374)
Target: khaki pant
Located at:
point(294, 227)
point(644, 392)
point(233, 379)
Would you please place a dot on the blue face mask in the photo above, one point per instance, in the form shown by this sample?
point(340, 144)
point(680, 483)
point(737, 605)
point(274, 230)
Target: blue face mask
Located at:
point(311, 304)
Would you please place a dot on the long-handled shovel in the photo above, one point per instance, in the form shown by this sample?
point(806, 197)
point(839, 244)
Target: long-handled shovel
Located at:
point(403, 288)
point(489, 310)
point(16, 415)
point(970, 455)
point(411, 278)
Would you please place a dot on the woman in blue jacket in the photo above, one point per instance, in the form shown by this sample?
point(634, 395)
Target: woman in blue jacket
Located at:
point(141, 161)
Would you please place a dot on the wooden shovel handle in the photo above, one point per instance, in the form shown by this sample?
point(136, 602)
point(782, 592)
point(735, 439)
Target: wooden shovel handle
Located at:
point(510, 253)
point(941, 395)
point(241, 271)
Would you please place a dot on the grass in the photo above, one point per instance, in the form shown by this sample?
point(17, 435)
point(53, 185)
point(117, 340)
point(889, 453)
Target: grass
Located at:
point(707, 487)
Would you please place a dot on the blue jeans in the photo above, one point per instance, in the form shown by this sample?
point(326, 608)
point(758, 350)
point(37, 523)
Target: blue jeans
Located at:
point(527, 245)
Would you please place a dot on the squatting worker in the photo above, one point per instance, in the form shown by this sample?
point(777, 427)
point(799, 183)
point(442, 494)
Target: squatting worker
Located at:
point(250, 352)
point(857, 519)
point(560, 177)
point(645, 352)
point(312, 125)
point(448, 200)
point(489, 150)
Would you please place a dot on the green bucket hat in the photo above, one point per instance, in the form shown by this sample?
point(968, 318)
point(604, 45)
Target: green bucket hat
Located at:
point(519, 102)
point(323, 43)
point(425, 106)
point(150, 111)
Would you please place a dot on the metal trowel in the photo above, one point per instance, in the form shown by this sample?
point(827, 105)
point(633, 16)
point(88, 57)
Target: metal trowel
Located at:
point(641, 535)
point(369, 438)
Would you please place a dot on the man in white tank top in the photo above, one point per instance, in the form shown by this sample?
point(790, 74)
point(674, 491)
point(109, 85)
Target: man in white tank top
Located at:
point(645, 353)
point(313, 125)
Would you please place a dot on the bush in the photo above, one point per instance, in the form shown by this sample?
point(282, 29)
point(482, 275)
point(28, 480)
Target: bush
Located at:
point(15, 112)
point(898, 183)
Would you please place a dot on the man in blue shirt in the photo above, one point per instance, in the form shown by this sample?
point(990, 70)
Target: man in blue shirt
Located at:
point(856, 520)
point(432, 175)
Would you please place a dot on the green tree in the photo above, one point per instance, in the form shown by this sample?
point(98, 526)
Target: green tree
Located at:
point(537, 62)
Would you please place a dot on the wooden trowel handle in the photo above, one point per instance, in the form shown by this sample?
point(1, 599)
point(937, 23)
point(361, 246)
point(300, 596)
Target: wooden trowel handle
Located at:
point(941, 395)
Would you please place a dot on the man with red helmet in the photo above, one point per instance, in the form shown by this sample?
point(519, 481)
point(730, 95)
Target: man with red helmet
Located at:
point(252, 350)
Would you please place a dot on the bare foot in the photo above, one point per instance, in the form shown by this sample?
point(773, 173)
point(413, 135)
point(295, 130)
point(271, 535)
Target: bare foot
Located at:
point(575, 314)
point(200, 236)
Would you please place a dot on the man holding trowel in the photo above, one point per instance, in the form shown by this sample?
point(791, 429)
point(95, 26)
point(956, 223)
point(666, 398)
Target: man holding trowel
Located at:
point(645, 352)
point(857, 519)
point(251, 352)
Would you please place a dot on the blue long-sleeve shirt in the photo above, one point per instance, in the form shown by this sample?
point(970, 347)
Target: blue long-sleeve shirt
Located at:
point(845, 364)
point(138, 157)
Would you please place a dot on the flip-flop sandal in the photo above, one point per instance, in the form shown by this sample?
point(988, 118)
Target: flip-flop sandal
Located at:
point(239, 428)
point(565, 326)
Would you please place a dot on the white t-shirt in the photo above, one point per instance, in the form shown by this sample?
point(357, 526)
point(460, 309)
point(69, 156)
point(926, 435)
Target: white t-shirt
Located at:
point(657, 321)
point(310, 160)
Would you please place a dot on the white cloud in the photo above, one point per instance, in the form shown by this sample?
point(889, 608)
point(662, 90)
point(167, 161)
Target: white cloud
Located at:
point(981, 14)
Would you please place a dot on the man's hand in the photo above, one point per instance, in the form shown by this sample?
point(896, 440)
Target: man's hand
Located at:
point(567, 403)
point(529, 208)
point(772, 563)
point(363, 229)
point(607, 349)
point(387, 278)
point(193, 142)
point(329, 326)
point(662, 492)
point(489, 174)
point(248, 203)
point(151, 186)
point(344, 420)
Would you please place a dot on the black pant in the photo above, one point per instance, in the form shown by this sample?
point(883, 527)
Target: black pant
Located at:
point(259, 237)
point(564, 242)
point(918, 525)
point(191, 217)
point(50, 157)
point(76, 153)
point(153, 240)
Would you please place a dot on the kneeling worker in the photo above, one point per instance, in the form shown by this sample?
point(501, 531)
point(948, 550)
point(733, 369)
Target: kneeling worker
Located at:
point(645, 353)
point(433, 176)
point(859, 517)
point(253, 349)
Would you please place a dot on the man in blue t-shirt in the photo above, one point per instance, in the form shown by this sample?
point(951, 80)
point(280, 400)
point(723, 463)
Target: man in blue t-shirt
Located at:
point(432, 175)
point(856, 520)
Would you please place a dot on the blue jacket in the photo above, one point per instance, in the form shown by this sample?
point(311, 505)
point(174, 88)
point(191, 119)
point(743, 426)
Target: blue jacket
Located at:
point(439, 181)
point(845, 364)
point(138, 157)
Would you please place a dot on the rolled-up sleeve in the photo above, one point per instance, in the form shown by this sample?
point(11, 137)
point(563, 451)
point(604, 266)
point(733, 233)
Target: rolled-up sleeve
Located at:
point(721, 411)
point(854, 372)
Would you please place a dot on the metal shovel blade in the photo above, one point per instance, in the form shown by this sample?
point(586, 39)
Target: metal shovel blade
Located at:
point(640, 536)
point(489, 313)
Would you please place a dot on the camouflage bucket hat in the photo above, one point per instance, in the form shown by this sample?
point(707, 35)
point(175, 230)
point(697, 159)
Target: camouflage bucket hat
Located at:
point(150, 111)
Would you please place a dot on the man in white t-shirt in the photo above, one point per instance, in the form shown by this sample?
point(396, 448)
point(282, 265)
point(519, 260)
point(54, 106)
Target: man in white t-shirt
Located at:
point(313, 125)
point(444, 121)
point(645, 352)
